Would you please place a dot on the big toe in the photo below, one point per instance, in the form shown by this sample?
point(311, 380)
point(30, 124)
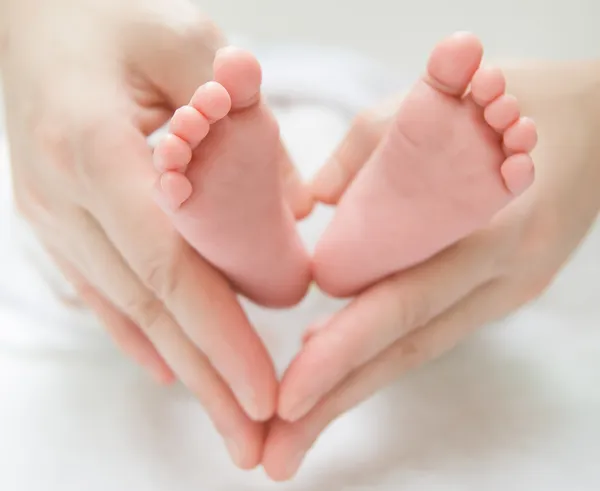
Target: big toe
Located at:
point(240, 73)
point(453, 63)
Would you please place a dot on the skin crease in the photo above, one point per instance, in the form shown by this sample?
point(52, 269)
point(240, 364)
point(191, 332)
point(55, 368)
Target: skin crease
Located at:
point(150, 304)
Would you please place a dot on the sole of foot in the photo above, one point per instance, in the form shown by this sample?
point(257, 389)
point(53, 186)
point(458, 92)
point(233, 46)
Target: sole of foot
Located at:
point(456, 153)
point(222, 168)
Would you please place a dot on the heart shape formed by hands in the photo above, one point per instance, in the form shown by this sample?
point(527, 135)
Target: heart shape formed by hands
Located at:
point(453, 154)
point(85, 132)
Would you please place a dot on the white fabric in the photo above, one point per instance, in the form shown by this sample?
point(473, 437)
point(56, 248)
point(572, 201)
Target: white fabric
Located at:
point(515, 407)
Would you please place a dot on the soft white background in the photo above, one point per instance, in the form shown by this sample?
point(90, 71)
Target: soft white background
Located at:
point(401, 31)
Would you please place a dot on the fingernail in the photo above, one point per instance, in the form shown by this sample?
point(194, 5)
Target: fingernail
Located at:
point(301, 409)
point(235, 452)
point(294, 464)
point(248, 401)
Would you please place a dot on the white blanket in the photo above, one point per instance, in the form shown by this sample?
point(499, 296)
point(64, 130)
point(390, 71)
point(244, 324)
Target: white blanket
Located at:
point(515, 407)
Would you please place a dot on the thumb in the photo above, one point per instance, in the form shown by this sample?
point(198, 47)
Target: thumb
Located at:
point(366, 131)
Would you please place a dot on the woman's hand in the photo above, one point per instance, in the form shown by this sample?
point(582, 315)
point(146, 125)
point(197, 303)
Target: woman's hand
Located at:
point(419, 314)
point(85, 83)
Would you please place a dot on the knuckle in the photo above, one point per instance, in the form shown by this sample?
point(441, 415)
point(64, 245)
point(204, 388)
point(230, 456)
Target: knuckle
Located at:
point(411, 351)
point(31, 203)
point(161, 272)
point(413, 308)
point(147, 312)
point(67, 144)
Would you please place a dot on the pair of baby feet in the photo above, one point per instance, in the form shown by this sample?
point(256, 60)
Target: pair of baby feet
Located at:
point(455, 154)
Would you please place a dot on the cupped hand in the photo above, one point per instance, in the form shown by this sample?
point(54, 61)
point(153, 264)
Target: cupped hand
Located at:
point(419, 314)
point(85, 83)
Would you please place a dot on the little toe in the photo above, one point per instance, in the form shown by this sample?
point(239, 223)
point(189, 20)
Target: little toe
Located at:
point(172, 190)
point(240, 73)
point(502, 113)
point(189, 125)
point(518, 173)
point(453, 62)
point(212, 100)
point(521, 137)
point(172, 154)
point(487, 85)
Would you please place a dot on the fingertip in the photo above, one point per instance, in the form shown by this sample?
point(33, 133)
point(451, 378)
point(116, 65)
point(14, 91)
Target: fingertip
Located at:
point(332, 180)
point(305, 382)
point(259, 409)
point(246, 448)
point(298, 194)
point(329, 183)
point(163, 376)
point(287, 446)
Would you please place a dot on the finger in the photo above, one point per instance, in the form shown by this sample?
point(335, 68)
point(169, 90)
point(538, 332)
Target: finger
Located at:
point(99, 261)
point(296, 192)
point(357, 147)
point(288, 443)
point(195, 294)
point(125, 333)
point(380, 316)
point(352, 153)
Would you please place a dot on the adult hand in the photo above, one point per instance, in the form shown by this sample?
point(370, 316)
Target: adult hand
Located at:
point(419, 314)
point(85, 83)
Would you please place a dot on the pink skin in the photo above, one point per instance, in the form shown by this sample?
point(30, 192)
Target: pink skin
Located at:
point(447, 165)
point(221, 184)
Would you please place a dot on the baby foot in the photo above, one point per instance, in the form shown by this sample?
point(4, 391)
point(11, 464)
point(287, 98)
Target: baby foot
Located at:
point(221, 184)
point(447, 165)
